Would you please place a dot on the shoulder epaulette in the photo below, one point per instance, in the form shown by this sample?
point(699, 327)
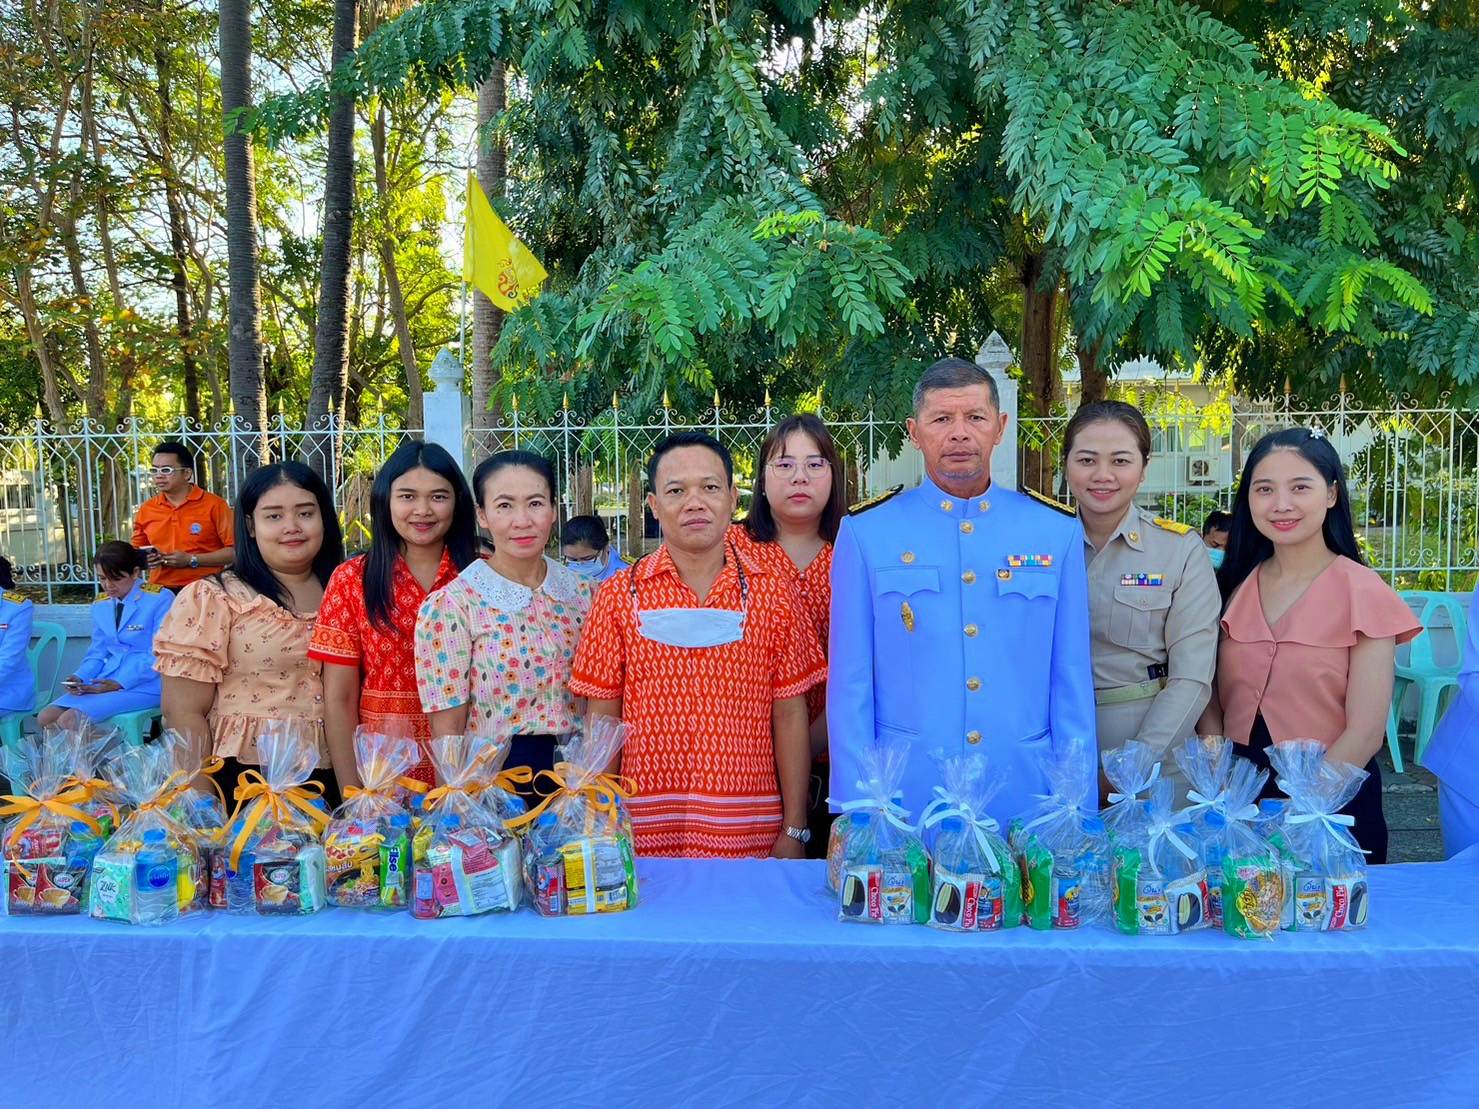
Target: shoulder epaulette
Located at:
point(874, 502)
point(1048, 502)
point(1171, 525)
point(150, 587)
point(14, 595)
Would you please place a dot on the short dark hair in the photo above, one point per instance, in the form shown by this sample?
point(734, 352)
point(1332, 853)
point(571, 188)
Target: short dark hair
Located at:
point(117, 559)
point(503, 460)
point(1109, 411)
point(688, 439)
point(183, 453)
point(249, 565)
point(585, 529)
point(7, 573)
point(1217, 520)
point(760, 521)
point(954, 373)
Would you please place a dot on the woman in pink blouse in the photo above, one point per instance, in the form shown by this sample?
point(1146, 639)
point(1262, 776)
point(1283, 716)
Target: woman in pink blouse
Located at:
point(1309, 633)
point(233, 650)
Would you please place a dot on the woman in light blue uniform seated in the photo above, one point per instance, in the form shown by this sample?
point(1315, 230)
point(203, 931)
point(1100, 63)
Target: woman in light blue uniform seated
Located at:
point(1453, 751)
point(117, 673)
point(17, 683)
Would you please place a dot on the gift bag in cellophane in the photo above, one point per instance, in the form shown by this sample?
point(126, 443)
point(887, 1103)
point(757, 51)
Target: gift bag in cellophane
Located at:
point(1160, 885)
point(152, 870)
point(578, 855)
point(1061, 846)
point(91, 744)
point(274, 855)
point(53, 829)
point(1329, 891)
point(976, 884)
point(1131, 769)
point(494, 786)
point(367, 844)
point(885, 868)
point(1245, 875)
point(465, 862)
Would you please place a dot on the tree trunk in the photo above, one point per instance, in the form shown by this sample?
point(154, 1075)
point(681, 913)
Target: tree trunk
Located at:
point(1040, 376)
point(487, 317)
point(1093, 378)
point(244, 349)
point(331, 336)
point(179, 276)
point(415, 415)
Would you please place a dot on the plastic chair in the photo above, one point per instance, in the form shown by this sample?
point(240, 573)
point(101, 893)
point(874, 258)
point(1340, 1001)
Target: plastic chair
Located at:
point(133, 727)
point(44, 636)
point(1418, 665)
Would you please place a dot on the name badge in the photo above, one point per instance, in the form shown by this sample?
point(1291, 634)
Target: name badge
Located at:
point(134, 628)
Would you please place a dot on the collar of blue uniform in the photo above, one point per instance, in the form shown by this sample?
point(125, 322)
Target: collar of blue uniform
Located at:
point(959, 508)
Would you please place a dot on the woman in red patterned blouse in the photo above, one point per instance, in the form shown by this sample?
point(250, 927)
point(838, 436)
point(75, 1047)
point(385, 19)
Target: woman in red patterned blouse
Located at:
point(423, 532)
point(796, 509)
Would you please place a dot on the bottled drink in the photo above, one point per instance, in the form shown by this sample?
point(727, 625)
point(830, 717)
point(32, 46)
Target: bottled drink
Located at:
point(156, 881)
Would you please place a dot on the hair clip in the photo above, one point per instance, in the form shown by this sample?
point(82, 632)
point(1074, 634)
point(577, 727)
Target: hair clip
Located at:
point(1316, 433)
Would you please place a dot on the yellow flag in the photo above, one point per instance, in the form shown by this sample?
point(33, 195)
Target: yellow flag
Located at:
point(493, 259)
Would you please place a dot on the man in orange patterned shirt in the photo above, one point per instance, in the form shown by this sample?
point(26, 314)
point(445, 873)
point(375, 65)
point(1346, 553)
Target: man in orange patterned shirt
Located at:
point(706, 654)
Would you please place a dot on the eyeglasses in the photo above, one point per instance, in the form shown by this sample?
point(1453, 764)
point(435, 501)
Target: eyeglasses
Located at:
point(815, 466)
point(165, 471)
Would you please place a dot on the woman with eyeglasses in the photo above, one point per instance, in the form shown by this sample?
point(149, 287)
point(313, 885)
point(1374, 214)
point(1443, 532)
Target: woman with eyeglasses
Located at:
point(795, 511)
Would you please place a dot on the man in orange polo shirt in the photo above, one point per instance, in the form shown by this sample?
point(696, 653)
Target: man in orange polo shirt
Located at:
point(186, 531)
point(706, 654)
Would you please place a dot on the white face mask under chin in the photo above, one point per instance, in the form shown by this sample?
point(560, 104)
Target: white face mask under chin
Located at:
point(691, 627)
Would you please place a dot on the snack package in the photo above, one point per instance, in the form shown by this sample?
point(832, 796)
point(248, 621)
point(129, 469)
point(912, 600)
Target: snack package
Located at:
point(1061, 845)
point(274, 862)
point(885, 869)
point(976, 884)
point(151, 871)
point(1245, 881)
point(367, 844)
point(467, 863)
point(579, 857)
point(53, 833)
point(1329, 868)
point(1159, 884)
point(1131, 770)
point(842, 827)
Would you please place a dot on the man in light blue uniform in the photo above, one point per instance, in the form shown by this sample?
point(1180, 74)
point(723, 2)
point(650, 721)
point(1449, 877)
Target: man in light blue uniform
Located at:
point(117, 673)
point(1453, 751)
point(17, 683)
point(960, 613)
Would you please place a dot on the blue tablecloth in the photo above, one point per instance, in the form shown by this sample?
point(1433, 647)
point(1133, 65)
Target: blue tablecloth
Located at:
point(733, 984)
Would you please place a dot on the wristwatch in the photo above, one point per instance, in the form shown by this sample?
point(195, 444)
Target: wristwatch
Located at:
point(800, 835)
point(194, 563)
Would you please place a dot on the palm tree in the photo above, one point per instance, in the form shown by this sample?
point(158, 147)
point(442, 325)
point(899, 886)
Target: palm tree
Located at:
point(244, 348)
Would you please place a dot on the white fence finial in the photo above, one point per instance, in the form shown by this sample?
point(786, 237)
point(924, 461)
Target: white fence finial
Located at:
point(994, 357)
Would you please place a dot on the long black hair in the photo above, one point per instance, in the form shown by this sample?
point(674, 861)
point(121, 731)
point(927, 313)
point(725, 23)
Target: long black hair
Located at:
point(1247, 546)
point(249, 565)
point(386, 543)
point(760, 521)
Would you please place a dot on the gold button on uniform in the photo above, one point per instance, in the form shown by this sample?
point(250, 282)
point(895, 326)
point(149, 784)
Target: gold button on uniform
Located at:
point(969, 577)
point(967, 527)
point(973, 684)
point(907, 557)
point(973, 737)
point(984, 506)
point(947, 506)
point(1133, 537)
point(971, 630)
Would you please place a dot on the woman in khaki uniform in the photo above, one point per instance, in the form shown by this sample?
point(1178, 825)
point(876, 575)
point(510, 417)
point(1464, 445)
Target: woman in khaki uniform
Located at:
point(1153, 600)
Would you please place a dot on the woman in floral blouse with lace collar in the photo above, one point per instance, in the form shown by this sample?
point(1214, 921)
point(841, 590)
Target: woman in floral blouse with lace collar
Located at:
point(494, 647)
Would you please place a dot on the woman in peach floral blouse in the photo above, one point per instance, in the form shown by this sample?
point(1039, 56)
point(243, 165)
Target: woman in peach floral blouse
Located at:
point(233, 650)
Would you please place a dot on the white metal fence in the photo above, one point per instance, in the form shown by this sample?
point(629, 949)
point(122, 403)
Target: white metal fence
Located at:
point(1413, 473)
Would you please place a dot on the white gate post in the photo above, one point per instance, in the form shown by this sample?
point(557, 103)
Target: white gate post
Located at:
point(994, 357)
point(443, 406)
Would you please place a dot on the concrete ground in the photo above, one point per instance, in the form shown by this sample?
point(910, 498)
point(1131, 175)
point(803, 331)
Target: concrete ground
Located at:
point(1410, 802)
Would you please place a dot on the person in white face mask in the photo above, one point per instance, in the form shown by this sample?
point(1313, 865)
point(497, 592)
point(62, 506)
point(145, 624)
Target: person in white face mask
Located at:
point(586, 549)
point(705, 652)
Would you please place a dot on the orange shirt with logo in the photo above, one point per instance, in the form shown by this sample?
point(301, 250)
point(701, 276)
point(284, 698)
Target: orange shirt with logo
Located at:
point(201, 524)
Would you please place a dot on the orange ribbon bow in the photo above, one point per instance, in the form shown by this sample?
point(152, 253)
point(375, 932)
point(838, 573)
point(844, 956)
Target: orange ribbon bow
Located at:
point(255, 799)
point(603, 791)
point(63, 803)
